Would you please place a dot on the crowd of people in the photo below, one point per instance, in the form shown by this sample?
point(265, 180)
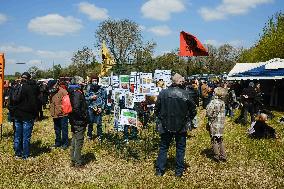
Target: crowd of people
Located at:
point(175, 113)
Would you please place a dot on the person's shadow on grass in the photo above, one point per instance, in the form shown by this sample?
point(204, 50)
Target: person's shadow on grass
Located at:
point(208, 152)
point(37, 148)
point(88, 158)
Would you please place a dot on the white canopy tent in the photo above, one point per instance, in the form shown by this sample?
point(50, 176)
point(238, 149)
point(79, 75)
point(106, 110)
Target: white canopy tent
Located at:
point(272, 69)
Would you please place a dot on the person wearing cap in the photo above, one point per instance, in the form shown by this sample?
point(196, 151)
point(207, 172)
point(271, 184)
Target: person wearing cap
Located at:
point(78, 121)
point(174, 110)
point(60, 119)
point(25, 112)
point(96, 97)
point(215, 111)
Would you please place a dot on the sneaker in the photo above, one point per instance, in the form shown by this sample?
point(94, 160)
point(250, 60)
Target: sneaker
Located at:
point(55, 146)
point(18, 157)
point(126, 141)
point(28, 158)
point(64, 147)
point(100, 139)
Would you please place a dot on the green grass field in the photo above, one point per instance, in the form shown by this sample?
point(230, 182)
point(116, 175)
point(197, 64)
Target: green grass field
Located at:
point(112, 164)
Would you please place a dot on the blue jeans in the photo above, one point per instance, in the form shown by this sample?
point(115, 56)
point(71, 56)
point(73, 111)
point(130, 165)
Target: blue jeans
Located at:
point(61, 131)
point(166, 139)
point(94, 118)
point(22, 138)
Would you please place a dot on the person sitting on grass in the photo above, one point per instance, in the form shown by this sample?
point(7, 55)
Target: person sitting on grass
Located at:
point(215, 112)
point(260, 129)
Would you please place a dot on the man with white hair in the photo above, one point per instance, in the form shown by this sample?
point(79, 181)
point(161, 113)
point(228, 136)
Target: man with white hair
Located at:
point(174, 109)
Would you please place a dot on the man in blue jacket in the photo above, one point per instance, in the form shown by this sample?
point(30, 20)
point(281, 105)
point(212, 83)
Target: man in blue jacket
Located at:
point(96, 99)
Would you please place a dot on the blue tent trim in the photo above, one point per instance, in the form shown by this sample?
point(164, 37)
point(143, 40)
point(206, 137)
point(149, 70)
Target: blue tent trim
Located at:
point(261, 72)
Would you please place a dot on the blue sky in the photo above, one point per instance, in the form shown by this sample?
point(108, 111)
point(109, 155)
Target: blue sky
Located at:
point(40, 32)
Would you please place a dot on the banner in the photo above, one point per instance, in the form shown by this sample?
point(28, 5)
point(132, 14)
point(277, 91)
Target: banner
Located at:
point(191, 46)
point(107, 62)
point(2, 66)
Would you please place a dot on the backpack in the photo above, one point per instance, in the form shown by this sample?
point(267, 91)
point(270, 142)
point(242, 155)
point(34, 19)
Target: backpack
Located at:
point(17, 92)
point(66, 104)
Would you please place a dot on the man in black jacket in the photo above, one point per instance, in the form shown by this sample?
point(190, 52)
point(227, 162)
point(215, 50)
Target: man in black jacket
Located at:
point(25, 111)
point(78, 120)
point(174, 109)
point(248, 98)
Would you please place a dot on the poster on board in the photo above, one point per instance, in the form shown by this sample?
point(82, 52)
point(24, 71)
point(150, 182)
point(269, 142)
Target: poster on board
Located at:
point(128, 117)
point(124, 81)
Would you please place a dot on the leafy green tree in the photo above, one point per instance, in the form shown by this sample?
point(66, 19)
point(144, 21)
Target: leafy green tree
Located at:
point(270, 44)
point(35, 72)
point(17, 74)
point(124, 40)
point(80, 61)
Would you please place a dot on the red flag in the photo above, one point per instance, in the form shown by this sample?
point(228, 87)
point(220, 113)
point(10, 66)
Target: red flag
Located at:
point(191, 46)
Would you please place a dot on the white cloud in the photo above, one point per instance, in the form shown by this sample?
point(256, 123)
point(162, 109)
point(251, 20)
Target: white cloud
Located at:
point(92, 11)
point(15, 49)
point(3, 18)
point(162, 9)
point(54, 24)
point(234, 43)
point(213, 42)
point(160, 30)
point(53, 54)
point(230, 7)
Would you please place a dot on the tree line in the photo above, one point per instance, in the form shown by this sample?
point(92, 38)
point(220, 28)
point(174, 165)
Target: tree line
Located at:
point(131, 53)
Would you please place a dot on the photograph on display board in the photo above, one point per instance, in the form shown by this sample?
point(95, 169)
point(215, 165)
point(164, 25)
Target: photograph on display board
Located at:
point(129, 100)
point(124, 81)
point(117, 125)
point(128, 117)
point(139, 97)
point(115, 81)
point(117, 94)
point(104, 81)
point(146, 78)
